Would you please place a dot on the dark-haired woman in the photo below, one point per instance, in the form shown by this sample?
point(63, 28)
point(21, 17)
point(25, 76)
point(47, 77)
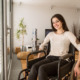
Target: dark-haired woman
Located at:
point(60, 40)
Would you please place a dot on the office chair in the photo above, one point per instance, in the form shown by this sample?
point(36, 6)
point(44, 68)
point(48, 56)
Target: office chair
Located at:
point(62, 70)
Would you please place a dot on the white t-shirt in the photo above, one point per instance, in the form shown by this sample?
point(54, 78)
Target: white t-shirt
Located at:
point(60, 43)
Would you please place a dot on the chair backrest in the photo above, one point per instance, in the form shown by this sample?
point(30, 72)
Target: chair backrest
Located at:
point(71, 49)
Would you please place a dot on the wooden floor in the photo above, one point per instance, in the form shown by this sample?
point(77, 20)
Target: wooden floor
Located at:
point(24, 65)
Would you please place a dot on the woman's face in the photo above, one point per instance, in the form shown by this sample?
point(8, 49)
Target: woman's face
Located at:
point(57, 24)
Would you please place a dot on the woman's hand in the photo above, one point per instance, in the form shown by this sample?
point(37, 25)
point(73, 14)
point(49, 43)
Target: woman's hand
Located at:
point(39, 54)
point(77, 69)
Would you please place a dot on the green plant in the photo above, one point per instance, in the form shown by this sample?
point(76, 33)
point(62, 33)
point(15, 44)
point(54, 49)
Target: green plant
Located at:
point(21, 31)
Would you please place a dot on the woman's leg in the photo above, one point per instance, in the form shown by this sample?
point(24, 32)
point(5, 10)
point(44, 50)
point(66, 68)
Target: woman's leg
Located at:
point(47, 70)
point(34, 70)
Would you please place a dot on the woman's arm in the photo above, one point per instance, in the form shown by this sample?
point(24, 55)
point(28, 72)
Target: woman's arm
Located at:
point(73, 40)
point(77, 66)
point(76, 43)
point(46, 40)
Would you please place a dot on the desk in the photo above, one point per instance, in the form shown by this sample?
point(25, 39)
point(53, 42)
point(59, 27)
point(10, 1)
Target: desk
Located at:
point(23, 55)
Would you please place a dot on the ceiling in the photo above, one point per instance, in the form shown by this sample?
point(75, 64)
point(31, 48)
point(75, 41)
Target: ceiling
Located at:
point(55, 3)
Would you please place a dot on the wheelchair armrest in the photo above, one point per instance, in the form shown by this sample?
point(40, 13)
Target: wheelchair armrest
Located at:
point(66, 56)
point(61, 62)
point(36, 52)
point(31, 62)
point(24, 70)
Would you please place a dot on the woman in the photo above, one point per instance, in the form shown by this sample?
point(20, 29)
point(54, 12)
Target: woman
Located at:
point(59, 39)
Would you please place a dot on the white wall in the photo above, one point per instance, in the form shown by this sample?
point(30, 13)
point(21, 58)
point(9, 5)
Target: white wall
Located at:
point(39, 17)
point(78, 29)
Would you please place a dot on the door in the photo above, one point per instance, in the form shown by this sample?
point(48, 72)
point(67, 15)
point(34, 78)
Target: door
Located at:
point(1, 46)
point(5, 39)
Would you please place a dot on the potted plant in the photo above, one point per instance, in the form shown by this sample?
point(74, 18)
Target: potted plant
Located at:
point(21, 31)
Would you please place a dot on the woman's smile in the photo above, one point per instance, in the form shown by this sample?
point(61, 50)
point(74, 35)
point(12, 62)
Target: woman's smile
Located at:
point(56, 23)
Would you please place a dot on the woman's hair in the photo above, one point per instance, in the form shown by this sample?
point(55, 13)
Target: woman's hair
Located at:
point(60, 18)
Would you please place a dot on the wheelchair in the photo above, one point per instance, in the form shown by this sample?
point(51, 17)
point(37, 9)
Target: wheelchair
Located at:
point(62, 72)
